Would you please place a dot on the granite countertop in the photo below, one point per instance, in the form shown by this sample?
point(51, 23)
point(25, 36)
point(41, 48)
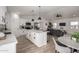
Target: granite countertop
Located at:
point(10, 38)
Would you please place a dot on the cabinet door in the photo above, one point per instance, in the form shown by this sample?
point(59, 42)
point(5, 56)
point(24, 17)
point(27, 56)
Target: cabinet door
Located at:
point(41, 39)
point(8, 48)
point(33, 35)
point(45, 37)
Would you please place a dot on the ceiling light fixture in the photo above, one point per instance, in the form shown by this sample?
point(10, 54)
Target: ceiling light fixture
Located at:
point(15, 15)
point(33, 15)
point(58, 15)
point(39, 18)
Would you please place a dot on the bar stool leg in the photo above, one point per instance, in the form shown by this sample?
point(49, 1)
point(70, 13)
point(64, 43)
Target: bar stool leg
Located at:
point(72, 50)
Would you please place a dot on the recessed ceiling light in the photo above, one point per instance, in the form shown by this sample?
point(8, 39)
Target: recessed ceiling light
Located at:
point(15, 15)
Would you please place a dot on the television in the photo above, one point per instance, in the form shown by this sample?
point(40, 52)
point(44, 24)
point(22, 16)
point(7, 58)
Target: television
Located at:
point(62, 24)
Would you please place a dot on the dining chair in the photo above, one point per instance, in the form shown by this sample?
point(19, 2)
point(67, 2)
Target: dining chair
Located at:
point(61, 49)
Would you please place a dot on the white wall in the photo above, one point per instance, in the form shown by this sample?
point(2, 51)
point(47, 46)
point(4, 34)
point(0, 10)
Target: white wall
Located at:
point(12, 22)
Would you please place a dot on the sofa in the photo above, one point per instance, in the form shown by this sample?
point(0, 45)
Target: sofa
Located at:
point(56, 32)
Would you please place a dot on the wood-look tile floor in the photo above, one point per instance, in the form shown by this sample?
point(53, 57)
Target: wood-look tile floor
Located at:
point(26, 46)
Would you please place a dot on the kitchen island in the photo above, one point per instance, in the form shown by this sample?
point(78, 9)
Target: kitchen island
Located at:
point(38, 37)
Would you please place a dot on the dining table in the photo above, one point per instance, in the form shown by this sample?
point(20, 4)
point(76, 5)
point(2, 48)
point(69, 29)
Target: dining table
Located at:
point(66, 40)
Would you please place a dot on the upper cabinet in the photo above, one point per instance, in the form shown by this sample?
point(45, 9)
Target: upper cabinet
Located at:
point(2, 11)
point(2, 14)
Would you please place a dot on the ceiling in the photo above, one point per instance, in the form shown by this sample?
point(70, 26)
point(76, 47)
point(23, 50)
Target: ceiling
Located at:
point(45, 11)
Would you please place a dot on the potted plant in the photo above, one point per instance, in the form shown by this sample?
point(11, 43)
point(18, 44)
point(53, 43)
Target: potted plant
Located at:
point(75, 36)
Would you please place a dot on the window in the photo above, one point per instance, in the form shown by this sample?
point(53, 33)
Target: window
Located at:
point(54, 25)
point(74, 25)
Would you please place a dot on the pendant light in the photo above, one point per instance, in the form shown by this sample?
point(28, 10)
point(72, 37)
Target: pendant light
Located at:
point(32, 15)
point(39, 18)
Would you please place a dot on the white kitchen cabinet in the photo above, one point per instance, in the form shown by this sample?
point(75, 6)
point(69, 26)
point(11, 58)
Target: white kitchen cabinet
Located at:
point(2, 11)
point(2, 14)
point(8, 45)
point(8, 48)
point(39, 38)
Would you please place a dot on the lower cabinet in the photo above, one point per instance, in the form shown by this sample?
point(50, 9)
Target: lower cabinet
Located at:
point(39, 38)
point(8, 48)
